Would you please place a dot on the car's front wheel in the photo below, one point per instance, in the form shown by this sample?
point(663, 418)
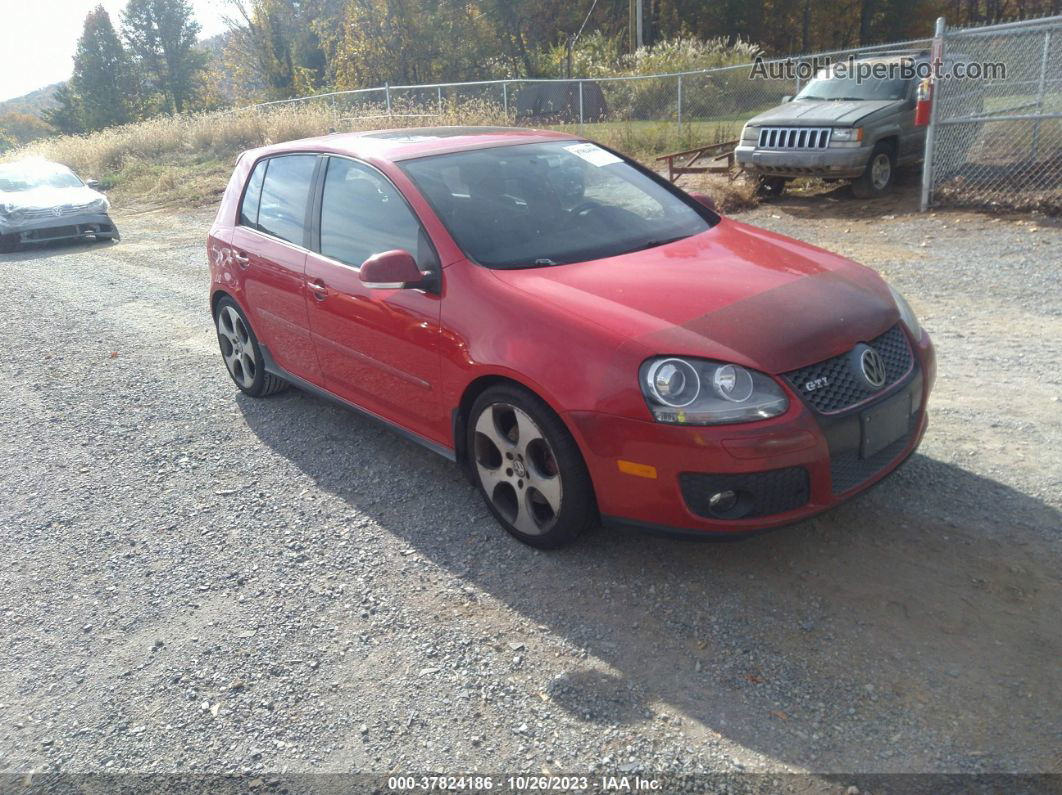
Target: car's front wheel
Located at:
point(241, 352)
point(528, 468)
point(879, 174)
point(8, 243)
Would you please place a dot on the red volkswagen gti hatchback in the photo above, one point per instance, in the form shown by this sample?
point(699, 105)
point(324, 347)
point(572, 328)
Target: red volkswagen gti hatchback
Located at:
point(588, 341)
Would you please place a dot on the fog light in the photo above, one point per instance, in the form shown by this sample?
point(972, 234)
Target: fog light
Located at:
point(722, 501)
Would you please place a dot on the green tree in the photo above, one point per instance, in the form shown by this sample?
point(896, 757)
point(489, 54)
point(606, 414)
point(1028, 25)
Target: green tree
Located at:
point(161, 36)
point(102, 76)
point(67, 115)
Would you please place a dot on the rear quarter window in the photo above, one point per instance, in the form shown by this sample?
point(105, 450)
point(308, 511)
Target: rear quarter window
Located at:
point(252, 196)
point(285, 193)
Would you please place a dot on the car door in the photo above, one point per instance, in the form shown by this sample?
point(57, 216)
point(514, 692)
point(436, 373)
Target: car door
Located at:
point(378, 348)
point(912, 137)
point(269, 246)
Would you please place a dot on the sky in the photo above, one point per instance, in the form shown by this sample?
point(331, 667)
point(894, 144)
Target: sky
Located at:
point(38, 38)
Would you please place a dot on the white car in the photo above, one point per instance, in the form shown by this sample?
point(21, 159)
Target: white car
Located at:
point(41, 200)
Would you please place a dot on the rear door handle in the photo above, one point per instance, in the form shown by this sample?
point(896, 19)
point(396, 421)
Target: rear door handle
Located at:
point(241, 259)
point(318, 288)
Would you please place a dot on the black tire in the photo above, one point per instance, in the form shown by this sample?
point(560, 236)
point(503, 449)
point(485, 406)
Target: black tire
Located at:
point(559, 458)
point(249, 374)
point(8, 243)
point(771, 187)
point(873, 183)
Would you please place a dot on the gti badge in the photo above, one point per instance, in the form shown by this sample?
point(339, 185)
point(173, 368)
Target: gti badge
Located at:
point(869, 366)
point(817, 383)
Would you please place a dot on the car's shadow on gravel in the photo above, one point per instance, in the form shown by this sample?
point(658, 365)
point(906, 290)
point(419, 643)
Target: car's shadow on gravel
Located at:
point(923, 615)
point(51, 248)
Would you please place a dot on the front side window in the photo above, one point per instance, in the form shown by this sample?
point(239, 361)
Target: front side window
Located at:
point(363, 214)
point(535, 205)
point(285, 192)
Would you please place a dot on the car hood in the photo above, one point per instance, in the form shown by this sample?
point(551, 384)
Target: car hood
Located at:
point(735, 293)
point(809, 113)
point(44, 198)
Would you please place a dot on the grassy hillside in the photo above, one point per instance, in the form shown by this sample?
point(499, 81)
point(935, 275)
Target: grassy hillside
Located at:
point(34, 103)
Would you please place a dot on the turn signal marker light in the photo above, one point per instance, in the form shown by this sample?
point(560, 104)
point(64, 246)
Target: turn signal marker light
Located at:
point(638, 470)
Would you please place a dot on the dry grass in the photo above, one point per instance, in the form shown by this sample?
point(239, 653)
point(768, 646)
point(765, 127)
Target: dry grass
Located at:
point(186, 160)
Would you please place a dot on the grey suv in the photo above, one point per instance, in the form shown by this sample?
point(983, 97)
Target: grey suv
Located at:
point(838, 127)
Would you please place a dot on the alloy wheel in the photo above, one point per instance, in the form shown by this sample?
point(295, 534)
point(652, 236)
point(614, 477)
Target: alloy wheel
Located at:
point(236, 347)
point(881, 171)
point(517, 468)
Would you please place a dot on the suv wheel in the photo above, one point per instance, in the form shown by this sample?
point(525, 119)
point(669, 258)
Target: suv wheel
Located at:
point(771, 187)
point(879, 174)
point(528, 468)
point(242, 355)
point(8, 243)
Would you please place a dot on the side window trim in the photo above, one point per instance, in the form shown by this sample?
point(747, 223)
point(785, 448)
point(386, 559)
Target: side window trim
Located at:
point(318, 207)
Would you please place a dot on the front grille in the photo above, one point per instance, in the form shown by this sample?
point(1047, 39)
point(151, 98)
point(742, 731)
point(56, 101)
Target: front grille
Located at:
point(50, 212)
point(759, 493)
point(842, 388)
point(848, 470)
point(794, 137)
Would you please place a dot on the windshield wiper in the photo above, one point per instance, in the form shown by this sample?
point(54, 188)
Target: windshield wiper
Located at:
point(849, 99)
point(663, 242)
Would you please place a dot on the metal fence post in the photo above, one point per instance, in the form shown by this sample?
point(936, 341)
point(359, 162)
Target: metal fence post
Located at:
point(927, 159)
point(438, 91)
point(1040, 94)
point(505, 97)
point(580, 104)
point(680, 101)
point(387, 96)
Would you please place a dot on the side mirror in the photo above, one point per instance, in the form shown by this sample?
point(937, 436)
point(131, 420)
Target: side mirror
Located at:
point(93, 183)
point(787, 98)
point(393, 270)
point(705, 199)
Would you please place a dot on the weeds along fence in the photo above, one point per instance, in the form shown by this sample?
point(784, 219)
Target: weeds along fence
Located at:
point(998, 140)
point(695, 107)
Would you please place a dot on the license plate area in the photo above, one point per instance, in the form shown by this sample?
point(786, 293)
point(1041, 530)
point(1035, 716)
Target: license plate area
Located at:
point(884, 424)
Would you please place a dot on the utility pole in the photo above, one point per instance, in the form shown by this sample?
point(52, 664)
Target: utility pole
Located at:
point(632, 39)
point(641, 35)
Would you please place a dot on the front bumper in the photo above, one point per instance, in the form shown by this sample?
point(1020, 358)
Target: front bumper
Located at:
point(796, 465)
point(842, 163)
point(62, 227)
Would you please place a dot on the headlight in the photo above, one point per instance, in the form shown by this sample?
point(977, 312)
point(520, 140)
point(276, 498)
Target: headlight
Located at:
point(907, 314)
point(101, 205)
point(749, 133)
point(847, 134)
point(697, 392)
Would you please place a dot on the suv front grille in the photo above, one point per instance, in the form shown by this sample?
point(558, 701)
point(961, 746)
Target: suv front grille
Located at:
point(841, 389)
point(794, 137)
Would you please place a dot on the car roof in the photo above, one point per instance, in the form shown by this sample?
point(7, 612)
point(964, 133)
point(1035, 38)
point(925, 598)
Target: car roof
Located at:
point(410, 142)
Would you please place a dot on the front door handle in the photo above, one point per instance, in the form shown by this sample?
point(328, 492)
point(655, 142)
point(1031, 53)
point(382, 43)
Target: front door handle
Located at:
point(318, 288)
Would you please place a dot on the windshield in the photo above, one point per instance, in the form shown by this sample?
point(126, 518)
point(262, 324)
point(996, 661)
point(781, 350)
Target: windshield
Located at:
point(27, 176)
point(833, 87)
point(536, 205)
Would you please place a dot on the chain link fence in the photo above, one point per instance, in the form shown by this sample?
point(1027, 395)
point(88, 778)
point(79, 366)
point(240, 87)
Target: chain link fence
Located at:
point(696, 108)
point(996, 140)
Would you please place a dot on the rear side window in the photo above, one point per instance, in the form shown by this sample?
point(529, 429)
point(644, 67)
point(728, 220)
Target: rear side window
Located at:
point(252, 197)
point(285, 192)
point(363, 214)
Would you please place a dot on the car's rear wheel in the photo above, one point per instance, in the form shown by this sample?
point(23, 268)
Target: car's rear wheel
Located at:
point(878, 176)
point(241, 352)
point(8, 243)
point(528, 468)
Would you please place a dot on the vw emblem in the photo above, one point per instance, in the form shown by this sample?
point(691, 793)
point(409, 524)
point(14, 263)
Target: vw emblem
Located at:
point(873, 367)
point(57, 211)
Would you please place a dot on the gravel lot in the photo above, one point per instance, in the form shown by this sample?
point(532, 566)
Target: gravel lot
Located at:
point(196, 581)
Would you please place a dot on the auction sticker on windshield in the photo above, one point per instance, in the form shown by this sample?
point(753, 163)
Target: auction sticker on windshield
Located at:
point(594, 155)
